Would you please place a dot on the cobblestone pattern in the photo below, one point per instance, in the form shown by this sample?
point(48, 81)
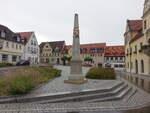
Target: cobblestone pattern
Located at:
point(139, 99)
point(58, 85)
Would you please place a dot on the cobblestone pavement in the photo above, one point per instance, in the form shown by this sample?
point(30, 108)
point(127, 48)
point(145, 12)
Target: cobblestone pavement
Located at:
point(58, 86)
point(138, 100)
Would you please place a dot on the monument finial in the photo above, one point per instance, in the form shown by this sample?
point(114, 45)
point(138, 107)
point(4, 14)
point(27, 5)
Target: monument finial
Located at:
point(76, 21)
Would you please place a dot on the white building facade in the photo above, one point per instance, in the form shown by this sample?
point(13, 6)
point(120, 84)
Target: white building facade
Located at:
point(11, 46)
point(114, 57)
point(31, 47)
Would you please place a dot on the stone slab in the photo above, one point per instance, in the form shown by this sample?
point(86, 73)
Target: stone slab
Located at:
point(82, 81)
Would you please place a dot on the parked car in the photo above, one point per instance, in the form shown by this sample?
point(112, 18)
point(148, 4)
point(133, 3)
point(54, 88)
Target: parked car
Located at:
point(23, 63)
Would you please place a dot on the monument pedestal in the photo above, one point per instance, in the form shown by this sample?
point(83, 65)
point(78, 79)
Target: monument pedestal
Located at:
point(76, 76)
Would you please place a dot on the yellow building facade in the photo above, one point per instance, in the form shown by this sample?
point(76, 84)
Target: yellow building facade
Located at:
point(50, 52)
point(95, 51)
point(137, 43)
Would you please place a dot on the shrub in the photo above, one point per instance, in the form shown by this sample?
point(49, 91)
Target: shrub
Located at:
point(20, 85)
point(22, 81)
point(5, 64)
point(101, 73)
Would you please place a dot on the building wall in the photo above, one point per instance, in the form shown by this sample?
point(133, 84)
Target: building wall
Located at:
point(130, 59)
point(133, 55)
point(118, 63)
point(31, 50)
point(13, 51)
point(98, 58)
point(48, 56)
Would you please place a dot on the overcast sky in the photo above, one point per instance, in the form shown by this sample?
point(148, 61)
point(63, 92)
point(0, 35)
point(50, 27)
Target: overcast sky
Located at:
point(52, 20)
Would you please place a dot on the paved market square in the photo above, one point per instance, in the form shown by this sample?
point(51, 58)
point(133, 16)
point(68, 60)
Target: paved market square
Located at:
point(135, 99)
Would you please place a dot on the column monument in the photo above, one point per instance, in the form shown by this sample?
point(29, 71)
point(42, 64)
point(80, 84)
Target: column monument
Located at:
point(76, 62)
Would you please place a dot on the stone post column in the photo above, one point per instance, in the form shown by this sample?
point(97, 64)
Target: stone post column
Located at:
point(76, 62)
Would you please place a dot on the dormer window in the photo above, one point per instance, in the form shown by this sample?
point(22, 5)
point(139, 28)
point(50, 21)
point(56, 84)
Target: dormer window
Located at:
point(18, 39)
point(3, 34)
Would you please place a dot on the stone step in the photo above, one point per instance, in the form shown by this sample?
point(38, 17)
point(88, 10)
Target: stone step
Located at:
point(118, 96)
point(44, 98)
point(85, 97)
point(130, 94)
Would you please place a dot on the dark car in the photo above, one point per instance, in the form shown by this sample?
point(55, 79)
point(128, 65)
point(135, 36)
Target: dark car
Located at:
point(23, 63)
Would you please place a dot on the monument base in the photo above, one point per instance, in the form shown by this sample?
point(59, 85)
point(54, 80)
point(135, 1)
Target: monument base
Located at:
point(76, 79)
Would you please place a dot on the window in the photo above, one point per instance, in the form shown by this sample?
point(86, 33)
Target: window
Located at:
point(16, 46)
point(116, 58)
point(14, 58)
point(3, 35)
point(31, 42)
point(18, 39)
point(4, 58)
point(19, 57)
point(121, 58)
point(111, 58)
point(12, 45)
point(116, 66)
point(107, 58)
point(20, 47)
point(100, 54)
point(136, 49)
point(31, 50)
point(128, 64)
point(142, 66)
point(130, 51)
point(145, 24)
point(141, 44)
point(7, 44)
point(35, 43)
point(121, 65)
point(28, 49)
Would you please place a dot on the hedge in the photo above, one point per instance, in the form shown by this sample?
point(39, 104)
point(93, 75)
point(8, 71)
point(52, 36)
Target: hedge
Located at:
point(101, 73)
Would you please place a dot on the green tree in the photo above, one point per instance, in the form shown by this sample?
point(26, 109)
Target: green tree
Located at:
point(88, 59)
point(69, 59)
point(64, 58)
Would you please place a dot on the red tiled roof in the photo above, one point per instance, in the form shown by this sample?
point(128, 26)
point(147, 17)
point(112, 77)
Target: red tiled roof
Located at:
point(135, 25)
point(88, 48)
point(93, 45)
point(25, 36)
point(114, 51)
